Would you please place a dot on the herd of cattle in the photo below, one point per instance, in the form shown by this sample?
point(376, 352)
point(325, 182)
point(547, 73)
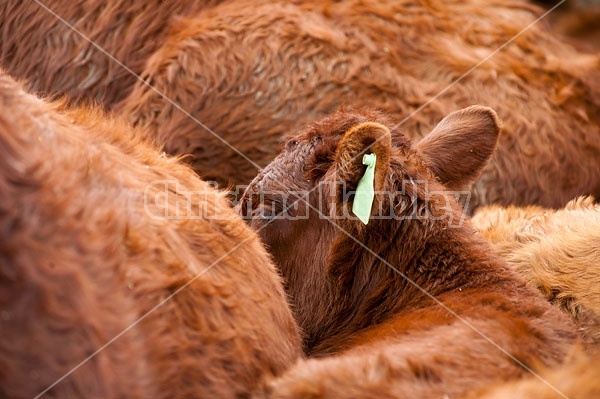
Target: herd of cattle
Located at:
point(102, 103)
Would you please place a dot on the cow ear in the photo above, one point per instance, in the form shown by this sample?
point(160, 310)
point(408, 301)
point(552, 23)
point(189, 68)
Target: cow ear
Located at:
point(363, 139)
point(459, 147)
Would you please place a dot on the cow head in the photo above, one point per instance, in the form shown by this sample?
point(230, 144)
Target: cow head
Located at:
point(302, 202)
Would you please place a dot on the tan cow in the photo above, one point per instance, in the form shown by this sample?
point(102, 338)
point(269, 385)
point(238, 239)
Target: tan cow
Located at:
point(557, 252)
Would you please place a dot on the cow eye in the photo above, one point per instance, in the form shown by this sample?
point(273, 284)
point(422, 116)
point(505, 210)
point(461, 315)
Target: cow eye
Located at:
point(267, 213)
point(268, 210)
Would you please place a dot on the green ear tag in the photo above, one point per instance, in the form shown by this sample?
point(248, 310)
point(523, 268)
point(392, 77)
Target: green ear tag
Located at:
point(365, 191)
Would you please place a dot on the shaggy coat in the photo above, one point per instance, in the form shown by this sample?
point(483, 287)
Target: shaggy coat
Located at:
point(90, 248)
point(578, 378)
point(413, 304)
point(577, 21)
point(37, 46)
point(557, 252)
point(253, 73)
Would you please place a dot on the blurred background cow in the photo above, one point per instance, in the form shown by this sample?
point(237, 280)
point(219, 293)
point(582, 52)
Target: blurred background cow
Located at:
point(252, 72)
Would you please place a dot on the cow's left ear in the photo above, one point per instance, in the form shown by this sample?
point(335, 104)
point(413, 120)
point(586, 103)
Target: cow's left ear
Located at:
point(360, 140)
point(459, 147)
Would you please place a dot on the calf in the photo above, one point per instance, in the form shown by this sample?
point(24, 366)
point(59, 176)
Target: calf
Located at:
point(100, 249)
point(254, 72)
point(38, 46)
point(557, 252)
point(412, 304)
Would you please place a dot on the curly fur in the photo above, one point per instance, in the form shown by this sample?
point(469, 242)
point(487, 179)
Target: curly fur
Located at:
point(578, 378)
point(55, 60)
point(81, 259)
point(253, 72)
point(370, 333)
point(557, 252)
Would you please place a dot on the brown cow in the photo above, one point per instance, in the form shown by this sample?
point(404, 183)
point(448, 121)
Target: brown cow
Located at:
point(413, 304)
point(253, 73)
point(91, 243)
point(557, 252)
point(38, 46)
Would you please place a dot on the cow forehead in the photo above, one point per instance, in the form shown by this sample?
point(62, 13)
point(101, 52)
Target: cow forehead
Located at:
point(337, 123)
point(287, 169)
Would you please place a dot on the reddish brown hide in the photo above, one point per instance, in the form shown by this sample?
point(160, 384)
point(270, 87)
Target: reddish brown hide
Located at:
point(86, 250)
point(37, 46)
point(253, 73)
point(385, 337)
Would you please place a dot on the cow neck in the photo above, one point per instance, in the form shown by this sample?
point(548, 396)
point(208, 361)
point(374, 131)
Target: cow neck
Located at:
point(366, 291)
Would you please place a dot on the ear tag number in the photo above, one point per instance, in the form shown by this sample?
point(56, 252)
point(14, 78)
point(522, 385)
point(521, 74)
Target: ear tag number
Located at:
point(365, 191)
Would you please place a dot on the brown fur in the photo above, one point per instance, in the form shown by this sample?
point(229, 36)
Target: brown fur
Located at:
point(578, 21)
point(37, 46)
point(557, 252)
point(579, 378)
point(253, 73)
point(81, 259)
point(370, 332)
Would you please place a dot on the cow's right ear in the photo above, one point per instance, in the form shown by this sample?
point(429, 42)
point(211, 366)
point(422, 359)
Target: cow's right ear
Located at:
point(360, 140)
